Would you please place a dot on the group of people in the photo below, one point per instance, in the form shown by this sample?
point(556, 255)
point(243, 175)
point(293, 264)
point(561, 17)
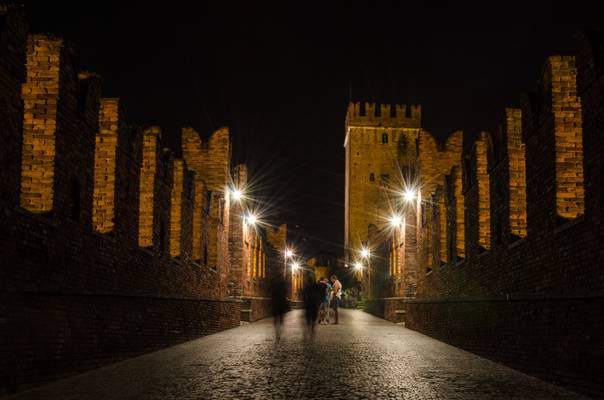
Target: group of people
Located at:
point(320, 298)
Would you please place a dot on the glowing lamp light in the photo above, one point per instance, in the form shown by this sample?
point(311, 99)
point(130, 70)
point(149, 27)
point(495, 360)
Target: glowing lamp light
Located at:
point(288, 253)
point(295, 266)
point(396, 220)
point(236, 194)
point(251, 219)
point(409, 194)
point(365, 252)
point(358, 266)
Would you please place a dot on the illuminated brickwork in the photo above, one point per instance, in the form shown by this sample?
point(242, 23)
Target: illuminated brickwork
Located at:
point(484, 198)
point(110, 192)
point(393, 258)
point(255, 255)
point(377, 146)
point(256, 260)
point(176, 204)
point(191, 147)
point(147, 186)
point(566, 109)
point(524, 263)
point(442, 227)
point(321, 272)
point(428, 237)
point(410, 266)
point(254, 250)
point(435, 162)
point(517, 172)
point(40, 96)
point(105, 158)
point(459, 212)
point(211, 162)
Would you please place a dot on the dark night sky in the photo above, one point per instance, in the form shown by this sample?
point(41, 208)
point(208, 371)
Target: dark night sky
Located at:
point(280, 77)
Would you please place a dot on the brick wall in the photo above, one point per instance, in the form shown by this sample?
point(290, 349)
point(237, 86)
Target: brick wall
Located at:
point(211, 162)
point(525, 207)
point(147, 186)
point(254, 253)
point(377, 143)
point(40, 96)
point(103, 216)
point(13, 39)
point(97, 228)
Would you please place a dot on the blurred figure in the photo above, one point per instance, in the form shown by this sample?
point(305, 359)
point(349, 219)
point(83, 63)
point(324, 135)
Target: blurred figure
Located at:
point(278, 289)
point(312, 294)
point(324, 307)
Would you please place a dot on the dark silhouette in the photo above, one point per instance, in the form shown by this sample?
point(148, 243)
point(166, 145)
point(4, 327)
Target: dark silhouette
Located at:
point(313, 295)
point(278, 289)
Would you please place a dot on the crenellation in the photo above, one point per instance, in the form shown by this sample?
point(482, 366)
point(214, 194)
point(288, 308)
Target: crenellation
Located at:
point(40, 94)
point(374, 114)
point(151, 138)
point(506, 216)
point(442, 226)
point(125, 230)
point(105, 162)
point(176, 206)
point(481, 150)
point(566, 110)
point(155, 247)
point(517, 171)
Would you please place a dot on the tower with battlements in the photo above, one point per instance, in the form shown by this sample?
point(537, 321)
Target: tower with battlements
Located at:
point(381, 157)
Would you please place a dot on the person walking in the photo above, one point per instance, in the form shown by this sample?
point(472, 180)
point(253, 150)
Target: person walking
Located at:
point(278, 290)
point(336, 297)
point(312, 295)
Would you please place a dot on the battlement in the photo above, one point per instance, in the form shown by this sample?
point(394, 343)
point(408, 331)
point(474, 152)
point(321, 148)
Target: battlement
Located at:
point(373, 114)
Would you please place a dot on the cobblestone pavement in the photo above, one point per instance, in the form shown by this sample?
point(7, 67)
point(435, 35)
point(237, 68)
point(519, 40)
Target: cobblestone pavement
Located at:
point(361, 358)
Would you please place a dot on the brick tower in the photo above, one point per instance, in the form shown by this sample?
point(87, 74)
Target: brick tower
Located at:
point(381, 157)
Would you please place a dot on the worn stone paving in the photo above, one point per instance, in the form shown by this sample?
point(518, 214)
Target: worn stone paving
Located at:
point(361, 358)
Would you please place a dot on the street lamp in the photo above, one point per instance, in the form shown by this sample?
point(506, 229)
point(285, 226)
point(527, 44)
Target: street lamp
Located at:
point(236, 194)
point(287, 253)
point(396, 221)
point(251, 219)
point(365, 252)
point(409, 194)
